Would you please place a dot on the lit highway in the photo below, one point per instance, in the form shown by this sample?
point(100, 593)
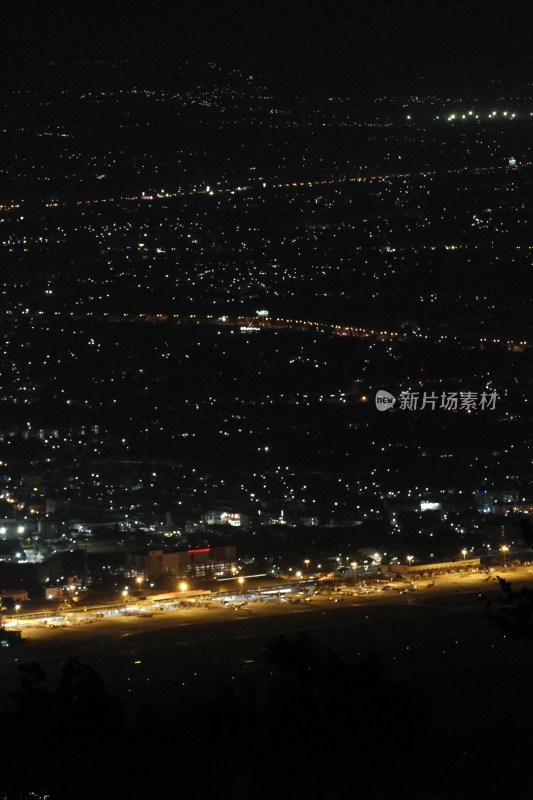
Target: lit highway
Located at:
point(281, 323)
point(301, 184)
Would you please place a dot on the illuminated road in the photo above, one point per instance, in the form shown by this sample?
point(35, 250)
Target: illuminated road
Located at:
point(281, 323)
point(305, 184)
point(301, 184)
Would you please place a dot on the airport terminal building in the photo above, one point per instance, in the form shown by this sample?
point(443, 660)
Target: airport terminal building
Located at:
point(202, 562)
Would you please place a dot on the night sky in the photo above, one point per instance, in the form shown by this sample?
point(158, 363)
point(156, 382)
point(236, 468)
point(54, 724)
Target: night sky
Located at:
point(356, 47)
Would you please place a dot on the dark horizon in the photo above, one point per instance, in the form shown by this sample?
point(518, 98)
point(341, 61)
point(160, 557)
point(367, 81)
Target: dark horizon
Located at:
point(354, 48)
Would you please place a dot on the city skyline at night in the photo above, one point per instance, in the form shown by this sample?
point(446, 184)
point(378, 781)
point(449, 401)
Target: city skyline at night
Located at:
point(266, 461)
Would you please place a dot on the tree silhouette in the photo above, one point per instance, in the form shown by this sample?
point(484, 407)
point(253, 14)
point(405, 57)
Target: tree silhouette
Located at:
point(511, 611)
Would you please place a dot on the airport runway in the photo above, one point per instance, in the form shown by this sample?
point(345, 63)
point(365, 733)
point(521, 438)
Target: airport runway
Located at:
point(433, 638)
